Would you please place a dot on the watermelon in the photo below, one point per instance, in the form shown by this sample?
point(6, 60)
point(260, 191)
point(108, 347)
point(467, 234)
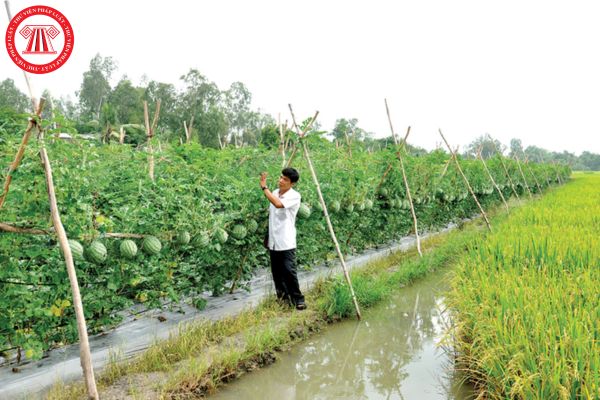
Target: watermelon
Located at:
point(221, 235)
point(202, 240)
point(368, 204)
point(128, 249)
point(318, 206)
point(252, 226)
point(304, 211)
point(96, 253)
point(335, 206)
point(361, 206)
point(439, 193)
point(349, 208)
point(239, 232)
point(76, 249)
point(183, 238)
point(151, 245)
point(383, 192)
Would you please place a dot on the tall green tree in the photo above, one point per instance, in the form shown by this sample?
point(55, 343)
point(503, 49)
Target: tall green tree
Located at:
point(126, 100)
point(95, 86)
point(170, 123)
point(12, 98)
point(516, 148)
point(487, 144)
point(350, 128)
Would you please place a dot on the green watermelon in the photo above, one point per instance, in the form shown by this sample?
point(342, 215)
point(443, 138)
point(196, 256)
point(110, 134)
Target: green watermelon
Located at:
point(335, 206)
point(349, 208)
point(96, 253)
point(369, 204)
point(151, 245)
point(318, 206)
point(128, 249)
point(252, 226)
point(361, 206)
point(202, 240)
point(183, 238)
point(304, 211)
point(221, 235)
point(239, 232)
point(76, 249)
point(439, 193)
point(383, 192)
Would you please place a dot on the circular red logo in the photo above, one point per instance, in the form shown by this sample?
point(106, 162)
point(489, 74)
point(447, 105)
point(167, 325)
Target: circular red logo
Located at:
point(39, 39)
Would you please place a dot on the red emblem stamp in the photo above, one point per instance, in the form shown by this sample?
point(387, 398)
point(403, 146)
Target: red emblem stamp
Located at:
point(39, 39)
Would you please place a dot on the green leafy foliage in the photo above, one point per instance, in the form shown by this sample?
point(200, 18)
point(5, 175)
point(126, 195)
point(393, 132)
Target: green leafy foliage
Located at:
point(199, 195)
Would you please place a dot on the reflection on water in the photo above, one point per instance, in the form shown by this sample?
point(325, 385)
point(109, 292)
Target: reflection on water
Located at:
point(391, 354)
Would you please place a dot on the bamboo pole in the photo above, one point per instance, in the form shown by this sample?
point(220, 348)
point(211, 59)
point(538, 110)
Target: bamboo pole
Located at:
point(448, 164)
point(301, 134)
point(387, 110)
point(348, 143)
point(190, 130)
point(537, 183)
point(492, 180)
point(25, 74)
point(121, 135)
point(281, 141)
point(405, 179)
point(238, 275)
point(20, 152)
point(150, 134)
point(325, 212)
point(487, 222)
point(523, 176)
point(512, 185)
point(15, 229)
point(84, 346)
point(557, 174)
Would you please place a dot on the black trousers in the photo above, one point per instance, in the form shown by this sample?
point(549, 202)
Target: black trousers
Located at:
point(283, 267)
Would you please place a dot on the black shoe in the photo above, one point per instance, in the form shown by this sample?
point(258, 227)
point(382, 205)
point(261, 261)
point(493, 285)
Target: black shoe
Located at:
point(300, 306)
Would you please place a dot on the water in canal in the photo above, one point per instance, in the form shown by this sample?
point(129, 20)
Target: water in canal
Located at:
point(393, 353)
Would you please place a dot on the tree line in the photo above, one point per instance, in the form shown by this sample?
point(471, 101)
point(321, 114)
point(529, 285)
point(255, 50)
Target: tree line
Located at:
point(217, 117)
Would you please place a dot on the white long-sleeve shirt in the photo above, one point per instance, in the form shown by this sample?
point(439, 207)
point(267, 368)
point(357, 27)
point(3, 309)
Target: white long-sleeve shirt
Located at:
point(282, 221)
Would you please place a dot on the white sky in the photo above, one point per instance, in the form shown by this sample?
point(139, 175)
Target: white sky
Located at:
point(525, 69)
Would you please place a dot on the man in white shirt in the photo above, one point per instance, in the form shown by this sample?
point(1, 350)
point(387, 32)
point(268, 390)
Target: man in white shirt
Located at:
point(284, 206)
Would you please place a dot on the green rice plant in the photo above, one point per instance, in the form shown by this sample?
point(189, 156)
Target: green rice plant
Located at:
point(527, 299)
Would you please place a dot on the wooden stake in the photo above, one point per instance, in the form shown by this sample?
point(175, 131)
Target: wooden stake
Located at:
point(281, 141)
point(492, 179)
point(301, 134)
point(523, 176)
point(122, 135)
point(512, 185)
point(557, 174)
point(448, 164)
point(15, 229)
point(532, 174)
point(84, 346)
point(150, 135)
point(387, 110)
point(34, 106)
point(325, 212)
point(348, 143)
point(20, 152)
point(238, 275)
point(487, 222)
point(406, 186)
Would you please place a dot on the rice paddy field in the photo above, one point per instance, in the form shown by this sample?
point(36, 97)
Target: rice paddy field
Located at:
point(527, 299)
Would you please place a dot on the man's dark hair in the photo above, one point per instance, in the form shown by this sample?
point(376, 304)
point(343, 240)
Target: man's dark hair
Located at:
point(291, 173)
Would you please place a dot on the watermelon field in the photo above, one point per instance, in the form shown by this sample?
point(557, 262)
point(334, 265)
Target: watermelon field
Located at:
point(197, 230)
